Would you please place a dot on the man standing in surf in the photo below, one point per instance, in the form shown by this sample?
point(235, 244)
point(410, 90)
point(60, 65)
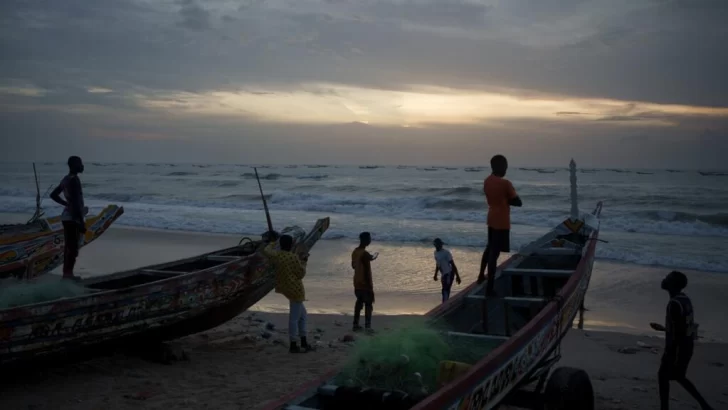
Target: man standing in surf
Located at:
point(363, 284)
point(73, 214)
point(500, 196)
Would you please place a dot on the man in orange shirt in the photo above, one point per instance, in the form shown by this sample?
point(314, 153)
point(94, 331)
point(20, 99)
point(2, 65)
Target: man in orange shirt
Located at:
point(500, 195)
point(363, 283)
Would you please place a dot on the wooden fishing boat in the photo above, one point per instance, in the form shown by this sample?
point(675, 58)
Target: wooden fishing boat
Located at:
point(37, 248)
point(540, 290)
point(147, 305)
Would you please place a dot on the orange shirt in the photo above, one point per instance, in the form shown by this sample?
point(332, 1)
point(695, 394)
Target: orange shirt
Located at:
point(498, 191)
point(359, 258)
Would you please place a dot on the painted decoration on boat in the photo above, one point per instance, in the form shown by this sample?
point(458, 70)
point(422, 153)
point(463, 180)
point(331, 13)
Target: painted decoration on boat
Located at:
point(34, 255)
point(179, 300)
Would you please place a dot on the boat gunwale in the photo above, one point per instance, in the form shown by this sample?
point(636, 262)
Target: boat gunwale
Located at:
point(9, 241)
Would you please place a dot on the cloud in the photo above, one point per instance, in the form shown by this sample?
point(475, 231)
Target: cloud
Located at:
point(231, 72)
point(194, 16)
point(644, 50)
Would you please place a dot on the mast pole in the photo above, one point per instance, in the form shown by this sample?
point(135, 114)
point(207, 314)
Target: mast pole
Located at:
point(574, 195)
point(265, 203)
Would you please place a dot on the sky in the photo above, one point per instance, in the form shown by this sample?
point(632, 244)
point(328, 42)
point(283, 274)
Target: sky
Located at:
point(631, 83)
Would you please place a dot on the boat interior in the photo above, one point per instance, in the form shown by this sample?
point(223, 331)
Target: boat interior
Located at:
point(163, 271)
point(523, 288)
point(37, 226)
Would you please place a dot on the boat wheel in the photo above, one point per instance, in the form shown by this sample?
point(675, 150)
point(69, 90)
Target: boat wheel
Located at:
point(569, 389)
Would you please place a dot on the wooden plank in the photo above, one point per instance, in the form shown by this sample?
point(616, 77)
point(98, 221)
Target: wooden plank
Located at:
point(538, 272)
point(477, 336)
point(478, 297)
point(513, 299)
point(163, 272)
point(327, 389)
point(556, 251)
point(529, 299)
point(507, 324)
point(220, 258)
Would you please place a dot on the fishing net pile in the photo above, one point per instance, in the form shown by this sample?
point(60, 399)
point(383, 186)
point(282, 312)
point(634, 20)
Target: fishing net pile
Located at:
point(407, 359)
point(18, 293)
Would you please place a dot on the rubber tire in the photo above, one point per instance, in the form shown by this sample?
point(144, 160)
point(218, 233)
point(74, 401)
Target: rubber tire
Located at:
point(569, 388)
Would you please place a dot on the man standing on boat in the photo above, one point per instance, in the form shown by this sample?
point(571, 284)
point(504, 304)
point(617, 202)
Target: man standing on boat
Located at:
point(445, 265)
point(73, 214)
point(290, 270)
point(680, 334)
point(363, 284)
point(500, 196)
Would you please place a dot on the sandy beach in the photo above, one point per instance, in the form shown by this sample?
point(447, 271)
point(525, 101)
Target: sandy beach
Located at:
point(235, 367)
point(245, 363)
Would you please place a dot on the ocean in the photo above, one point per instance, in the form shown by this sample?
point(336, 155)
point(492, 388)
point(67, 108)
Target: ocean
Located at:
point(672, 218)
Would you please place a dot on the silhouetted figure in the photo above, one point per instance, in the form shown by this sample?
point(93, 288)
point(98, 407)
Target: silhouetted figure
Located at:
point(73, 214)
point(290, 270)
point(445, 265)
point(500, 195)
point(363, 284)
point(680, 334)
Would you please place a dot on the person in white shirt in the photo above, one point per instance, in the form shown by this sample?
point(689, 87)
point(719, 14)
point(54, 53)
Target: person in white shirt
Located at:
point(445, 265)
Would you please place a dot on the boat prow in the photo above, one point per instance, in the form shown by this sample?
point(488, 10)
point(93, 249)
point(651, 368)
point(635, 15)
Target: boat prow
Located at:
point(36, 252)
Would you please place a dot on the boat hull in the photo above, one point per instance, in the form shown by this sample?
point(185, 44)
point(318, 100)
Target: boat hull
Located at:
point(502, 370)
point(491, 380)
point(143, 313)
point(30, 255)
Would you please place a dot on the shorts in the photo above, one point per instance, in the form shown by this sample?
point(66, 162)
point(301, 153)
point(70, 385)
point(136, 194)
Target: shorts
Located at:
point(499, 240)
point(676, 367)
point(446, 280)
point(364, 296)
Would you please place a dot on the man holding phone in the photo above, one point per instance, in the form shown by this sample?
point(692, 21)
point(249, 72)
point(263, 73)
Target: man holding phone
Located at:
point(363, 284)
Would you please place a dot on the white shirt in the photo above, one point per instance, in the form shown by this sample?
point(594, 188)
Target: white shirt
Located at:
point(443, 257)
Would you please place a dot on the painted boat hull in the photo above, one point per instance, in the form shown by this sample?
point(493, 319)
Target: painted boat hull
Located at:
point(158, 311)
point(495, 376)
point(499, 372)
point(29, 255)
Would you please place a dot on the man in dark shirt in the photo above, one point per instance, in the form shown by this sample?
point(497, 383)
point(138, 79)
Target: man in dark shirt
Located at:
point(73, 214)
point(680, 334)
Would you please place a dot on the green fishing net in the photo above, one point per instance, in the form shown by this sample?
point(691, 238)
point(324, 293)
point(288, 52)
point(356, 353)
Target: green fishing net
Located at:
point(18, 293)
point(407, 359)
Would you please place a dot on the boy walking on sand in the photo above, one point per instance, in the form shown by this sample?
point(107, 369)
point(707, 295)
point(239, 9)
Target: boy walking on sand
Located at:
point(73, 214)
point(363, 284)
point(445, 265)
point(680, 334)
point(500, 196)
point(290, 271)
